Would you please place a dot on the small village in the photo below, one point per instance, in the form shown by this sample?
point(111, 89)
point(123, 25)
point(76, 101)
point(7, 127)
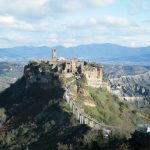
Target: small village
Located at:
point(94, 75)
point(68, 67)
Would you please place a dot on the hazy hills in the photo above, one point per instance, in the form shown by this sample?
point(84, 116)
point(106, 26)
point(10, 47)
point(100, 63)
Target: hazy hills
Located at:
point(9, 73)
point(105, 53)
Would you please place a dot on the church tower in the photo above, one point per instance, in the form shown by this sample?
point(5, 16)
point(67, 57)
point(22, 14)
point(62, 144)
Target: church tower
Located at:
point(54, 57)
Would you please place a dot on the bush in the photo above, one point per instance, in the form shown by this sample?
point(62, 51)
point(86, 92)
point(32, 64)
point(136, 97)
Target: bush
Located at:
point(82, 81)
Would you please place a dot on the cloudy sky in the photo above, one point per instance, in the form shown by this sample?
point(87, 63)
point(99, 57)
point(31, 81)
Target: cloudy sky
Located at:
point(74, 22)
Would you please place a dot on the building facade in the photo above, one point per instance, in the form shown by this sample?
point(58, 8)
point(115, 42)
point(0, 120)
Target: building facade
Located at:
point(69, 67)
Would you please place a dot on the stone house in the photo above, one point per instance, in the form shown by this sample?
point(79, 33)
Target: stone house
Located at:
point(68, 67)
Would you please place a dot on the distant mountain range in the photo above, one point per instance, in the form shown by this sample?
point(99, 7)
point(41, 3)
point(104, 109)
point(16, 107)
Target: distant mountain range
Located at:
point(104, 53)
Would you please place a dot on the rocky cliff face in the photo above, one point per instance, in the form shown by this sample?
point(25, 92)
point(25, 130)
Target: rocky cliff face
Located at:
point(133, 85)
point(116, 71)
point(34, 90)
point(42, 76)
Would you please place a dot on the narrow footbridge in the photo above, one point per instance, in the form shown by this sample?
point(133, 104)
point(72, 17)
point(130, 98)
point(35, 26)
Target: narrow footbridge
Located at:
point(80, 115)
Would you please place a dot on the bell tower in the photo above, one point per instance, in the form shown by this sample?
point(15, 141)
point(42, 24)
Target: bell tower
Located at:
point(54, 56)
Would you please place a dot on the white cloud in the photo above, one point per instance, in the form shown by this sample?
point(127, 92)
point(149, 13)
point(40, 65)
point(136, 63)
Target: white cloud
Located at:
point(91, 30)
point(71, 6)
point(37, 9)
point(86, 22)
point(139, 6)
point(11, 22)
point(117, 20)
point(103, 22)
point(23, 8)
point(101, 2)
point(65, 22)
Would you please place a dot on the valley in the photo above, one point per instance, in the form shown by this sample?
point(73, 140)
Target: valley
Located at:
point(9, 74)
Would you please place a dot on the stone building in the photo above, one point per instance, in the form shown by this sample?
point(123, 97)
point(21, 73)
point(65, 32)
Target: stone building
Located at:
point(73, 66)
point(54, 56)
point(68, 67)
point(94, 76)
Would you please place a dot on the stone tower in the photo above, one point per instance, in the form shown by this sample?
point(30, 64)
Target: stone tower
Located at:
point(54, 57)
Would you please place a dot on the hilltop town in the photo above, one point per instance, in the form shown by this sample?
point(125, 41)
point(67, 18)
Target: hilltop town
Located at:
point(68, 98)
point(69, 67)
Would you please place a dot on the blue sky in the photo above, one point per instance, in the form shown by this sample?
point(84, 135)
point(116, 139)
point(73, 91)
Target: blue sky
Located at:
point(74, 22)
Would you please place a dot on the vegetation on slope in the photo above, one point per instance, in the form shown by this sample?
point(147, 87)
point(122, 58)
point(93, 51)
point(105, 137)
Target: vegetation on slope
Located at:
point(33, 118)
point(41, 120)
point(109, 108)
point(36, 119)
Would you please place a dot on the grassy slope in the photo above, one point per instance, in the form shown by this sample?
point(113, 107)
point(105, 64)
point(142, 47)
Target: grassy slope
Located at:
point(111, 110)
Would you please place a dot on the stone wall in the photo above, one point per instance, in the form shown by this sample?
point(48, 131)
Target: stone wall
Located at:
point(94, 77)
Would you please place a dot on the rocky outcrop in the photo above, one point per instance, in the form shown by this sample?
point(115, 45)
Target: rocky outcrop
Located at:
point(41, 76)
point(94, 75)
point(132, 86)
point(116, 71)
point(77, 91)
